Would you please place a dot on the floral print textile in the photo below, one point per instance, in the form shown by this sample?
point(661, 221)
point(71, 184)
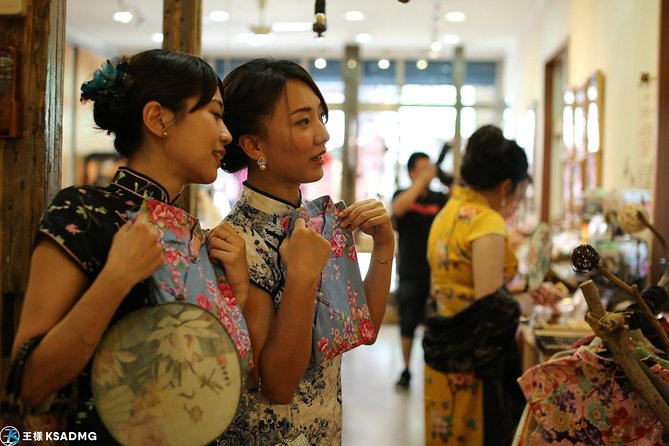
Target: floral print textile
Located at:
point(316, 406)
point(188, 274)
point(586, 399)
point(342, 320)
point(82, 220)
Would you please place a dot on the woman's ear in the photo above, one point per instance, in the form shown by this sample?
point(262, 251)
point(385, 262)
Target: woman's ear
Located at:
point(157, 118)
point(506, 186)
point(250, 146)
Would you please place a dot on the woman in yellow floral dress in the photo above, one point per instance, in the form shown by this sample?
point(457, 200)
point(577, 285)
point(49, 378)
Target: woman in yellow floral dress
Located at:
point(471, 259)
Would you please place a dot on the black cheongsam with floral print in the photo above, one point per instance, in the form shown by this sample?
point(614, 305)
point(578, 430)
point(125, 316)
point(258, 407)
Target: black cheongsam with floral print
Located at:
point(82, 221)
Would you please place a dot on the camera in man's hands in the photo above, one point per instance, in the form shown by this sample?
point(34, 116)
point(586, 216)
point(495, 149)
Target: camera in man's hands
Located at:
point(446, 179)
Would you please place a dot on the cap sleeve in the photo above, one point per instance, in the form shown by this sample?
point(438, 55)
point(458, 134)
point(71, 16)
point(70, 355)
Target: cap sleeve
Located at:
point(74, 220)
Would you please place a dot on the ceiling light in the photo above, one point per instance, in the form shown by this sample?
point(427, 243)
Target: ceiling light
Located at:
point(320, 63)
point(219, 16)
point(456, 16)
point(436, 46)
point(291, 27)
point(421, 64)
point(255, 39)
point(363, 38)
point(157, 37)
point(384, 64)
point(450, 39)
point(122, 16)
point(354, 16)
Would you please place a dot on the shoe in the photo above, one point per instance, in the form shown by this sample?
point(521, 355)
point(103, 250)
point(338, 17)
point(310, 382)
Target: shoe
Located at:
point(403, 382)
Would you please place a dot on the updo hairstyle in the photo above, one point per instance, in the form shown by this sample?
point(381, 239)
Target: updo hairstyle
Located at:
point(121, 89)
point(490, 158)
point(250, 92)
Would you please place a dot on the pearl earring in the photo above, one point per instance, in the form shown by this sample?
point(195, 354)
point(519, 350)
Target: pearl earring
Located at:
point(164, 132)
point(262, 163)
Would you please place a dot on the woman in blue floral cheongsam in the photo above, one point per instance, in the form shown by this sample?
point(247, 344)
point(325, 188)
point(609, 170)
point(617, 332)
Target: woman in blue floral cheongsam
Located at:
point(277, 116)
point(90, 261)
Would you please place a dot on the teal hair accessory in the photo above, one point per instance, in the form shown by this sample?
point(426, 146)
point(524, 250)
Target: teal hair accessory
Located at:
point(108, 80)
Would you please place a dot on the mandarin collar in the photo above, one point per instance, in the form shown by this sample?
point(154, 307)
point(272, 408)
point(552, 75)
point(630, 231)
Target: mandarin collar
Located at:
point(267, 202)
point(141, 185)
point(469, 195)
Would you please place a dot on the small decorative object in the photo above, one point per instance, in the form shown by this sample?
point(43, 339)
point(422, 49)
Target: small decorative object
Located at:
point(632, 217)
point(585, 258)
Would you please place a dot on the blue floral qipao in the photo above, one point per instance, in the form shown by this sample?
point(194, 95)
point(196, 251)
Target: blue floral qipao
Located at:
point(316, 407)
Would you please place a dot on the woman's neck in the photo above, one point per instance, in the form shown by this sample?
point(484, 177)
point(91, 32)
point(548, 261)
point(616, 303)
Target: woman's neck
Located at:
point(288, 192)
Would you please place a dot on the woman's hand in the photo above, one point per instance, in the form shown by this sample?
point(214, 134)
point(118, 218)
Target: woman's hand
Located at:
point(549, 295)
point(305, 252)
point(135, 251)
point(371, 217)
point(228, 248)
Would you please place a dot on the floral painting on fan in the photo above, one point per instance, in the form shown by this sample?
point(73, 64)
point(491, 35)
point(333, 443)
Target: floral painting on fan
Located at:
point(341, 316)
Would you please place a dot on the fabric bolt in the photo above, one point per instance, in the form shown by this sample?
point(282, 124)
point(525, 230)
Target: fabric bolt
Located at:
point(455, 403)
point(586, 399)
point(316, 408)
point(341, 317)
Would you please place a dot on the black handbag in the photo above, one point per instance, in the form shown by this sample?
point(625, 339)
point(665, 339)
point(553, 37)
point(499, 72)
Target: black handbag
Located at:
point(21, 425)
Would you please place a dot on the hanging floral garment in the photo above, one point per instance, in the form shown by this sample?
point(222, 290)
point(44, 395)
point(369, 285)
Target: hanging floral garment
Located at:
point(586, 399)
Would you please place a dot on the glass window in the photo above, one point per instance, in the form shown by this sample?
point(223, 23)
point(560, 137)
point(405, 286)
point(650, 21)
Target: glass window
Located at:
point(372, 73)
point(330, 73)
point(481, 73)
point(428, 94)
point(434, 73)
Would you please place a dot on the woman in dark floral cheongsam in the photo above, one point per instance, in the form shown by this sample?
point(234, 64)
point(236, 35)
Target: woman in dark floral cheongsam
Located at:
point(90, 262)
point(277, 116)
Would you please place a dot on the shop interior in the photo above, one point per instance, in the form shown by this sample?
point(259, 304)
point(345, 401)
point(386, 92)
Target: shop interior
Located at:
point(576, 83)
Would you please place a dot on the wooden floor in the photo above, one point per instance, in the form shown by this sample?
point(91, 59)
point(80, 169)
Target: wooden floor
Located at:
point(375, 413)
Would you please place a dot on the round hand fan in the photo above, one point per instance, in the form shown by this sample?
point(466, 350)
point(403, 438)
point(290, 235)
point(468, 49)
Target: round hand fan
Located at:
point(539, 256)
point(167, 374)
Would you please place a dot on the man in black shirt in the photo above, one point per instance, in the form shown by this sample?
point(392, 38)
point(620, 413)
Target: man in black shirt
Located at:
point(413, 210)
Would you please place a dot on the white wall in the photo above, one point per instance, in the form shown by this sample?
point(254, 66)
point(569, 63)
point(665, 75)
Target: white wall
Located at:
point(618, 37)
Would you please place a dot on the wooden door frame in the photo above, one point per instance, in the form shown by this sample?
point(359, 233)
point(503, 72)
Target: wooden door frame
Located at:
point(661, 181)
point(560, 56)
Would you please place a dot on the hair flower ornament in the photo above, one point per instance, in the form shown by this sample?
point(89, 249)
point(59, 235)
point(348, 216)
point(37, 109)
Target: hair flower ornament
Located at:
point(108, 80)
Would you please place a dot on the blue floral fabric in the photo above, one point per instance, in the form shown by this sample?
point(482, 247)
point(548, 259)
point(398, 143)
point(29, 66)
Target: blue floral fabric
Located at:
point(341, 316)
point(188, 274)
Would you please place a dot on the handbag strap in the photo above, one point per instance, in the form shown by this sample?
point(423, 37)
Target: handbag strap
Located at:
point(15, 377)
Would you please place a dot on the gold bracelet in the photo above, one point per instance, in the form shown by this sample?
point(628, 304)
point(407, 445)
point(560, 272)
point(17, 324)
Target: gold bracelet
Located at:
point(385, 262)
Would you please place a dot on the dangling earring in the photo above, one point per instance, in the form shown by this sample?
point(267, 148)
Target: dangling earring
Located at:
point(262, 163)
point(503, 201)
